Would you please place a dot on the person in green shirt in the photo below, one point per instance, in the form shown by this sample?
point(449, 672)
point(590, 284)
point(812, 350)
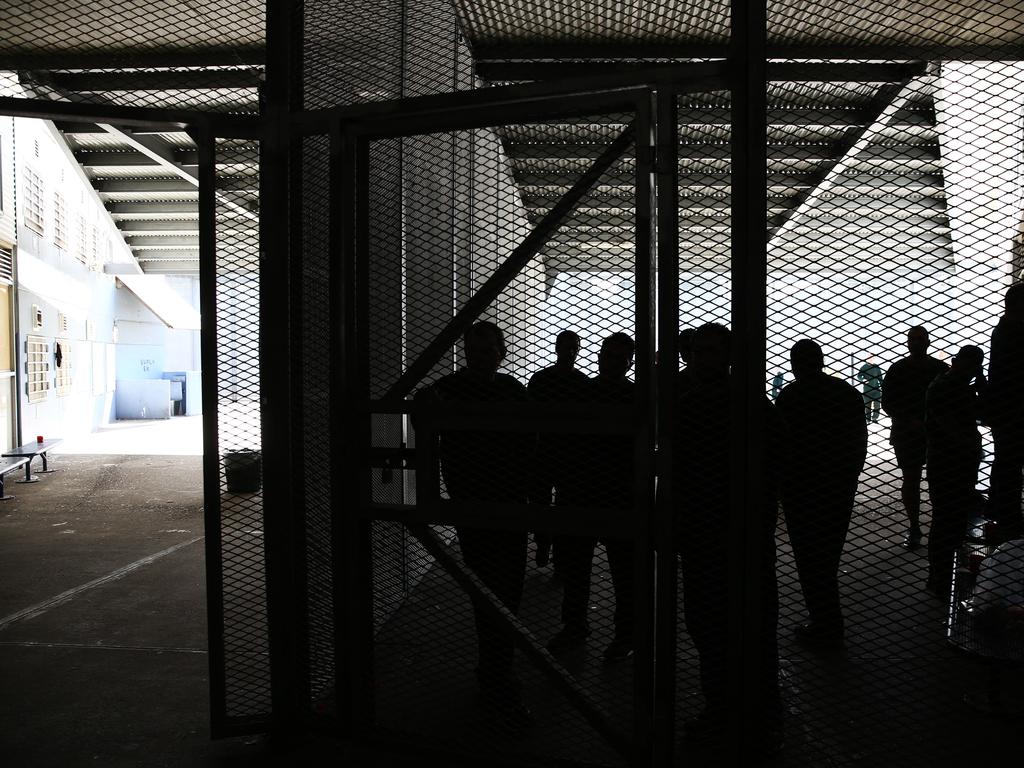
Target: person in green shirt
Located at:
point(870, 377)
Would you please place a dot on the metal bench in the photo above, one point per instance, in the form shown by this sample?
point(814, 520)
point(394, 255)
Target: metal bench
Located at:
point(29, 451)
point(9, 464)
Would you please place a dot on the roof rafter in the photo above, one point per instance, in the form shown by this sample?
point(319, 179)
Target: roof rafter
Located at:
point(797, 72)
point(162, 153)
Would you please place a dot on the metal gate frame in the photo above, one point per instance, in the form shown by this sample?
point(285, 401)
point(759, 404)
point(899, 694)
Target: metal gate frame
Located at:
point(350, 156)
point(651, 95)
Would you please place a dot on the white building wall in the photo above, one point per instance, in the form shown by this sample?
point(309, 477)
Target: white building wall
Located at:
point(103, 325)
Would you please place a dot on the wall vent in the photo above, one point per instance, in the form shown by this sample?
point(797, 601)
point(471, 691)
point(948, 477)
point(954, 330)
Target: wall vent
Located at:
point(6, 265)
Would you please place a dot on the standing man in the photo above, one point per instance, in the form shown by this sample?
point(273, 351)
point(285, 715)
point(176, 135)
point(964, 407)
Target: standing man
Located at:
point(605, 469)
point(903, 399)
point(954, 455)
point(828, 440)
point(563, 382)
point(484, 466)
point(1004, 409)
point(870, 376)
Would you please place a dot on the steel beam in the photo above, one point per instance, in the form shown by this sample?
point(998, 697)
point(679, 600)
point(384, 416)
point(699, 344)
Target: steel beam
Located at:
point(745, 558)
point(841, 51)
point(175, 226)
point(666, 606)
point(115, 186)
point(114, 159)
point(175, 257)
point(283, 491)
point(797, 72)
point(165, 80)
point(513, 103)
point(691, 152)
point(156, 119)
point(164, 241)
point(117, 210)
point(111, 58)
point(571, 521)
point(217, 661)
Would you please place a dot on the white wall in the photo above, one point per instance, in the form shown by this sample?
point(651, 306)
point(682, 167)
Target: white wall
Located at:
point(56, 280)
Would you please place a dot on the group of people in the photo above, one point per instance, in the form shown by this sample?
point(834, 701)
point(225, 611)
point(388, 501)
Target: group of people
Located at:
point(936, 410)
point(815, 447)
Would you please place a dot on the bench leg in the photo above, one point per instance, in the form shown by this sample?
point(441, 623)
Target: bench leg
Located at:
point(45, 469)
point(3, 494)
point(29, 477)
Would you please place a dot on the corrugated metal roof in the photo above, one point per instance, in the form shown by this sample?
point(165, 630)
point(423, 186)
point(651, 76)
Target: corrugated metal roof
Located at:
point(124, 26)
point(496, 24)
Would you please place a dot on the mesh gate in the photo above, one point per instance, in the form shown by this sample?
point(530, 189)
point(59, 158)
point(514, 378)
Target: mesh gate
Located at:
point(486, 225)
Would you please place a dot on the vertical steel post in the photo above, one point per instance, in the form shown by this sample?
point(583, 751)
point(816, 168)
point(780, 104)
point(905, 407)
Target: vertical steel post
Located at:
point(350, 430)
point(211, 451)
point(747, 412)
point(283, 511)
point(643, 663)
point(667, 169)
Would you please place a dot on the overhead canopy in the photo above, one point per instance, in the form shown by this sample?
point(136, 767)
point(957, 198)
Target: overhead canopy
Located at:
point(162, 301)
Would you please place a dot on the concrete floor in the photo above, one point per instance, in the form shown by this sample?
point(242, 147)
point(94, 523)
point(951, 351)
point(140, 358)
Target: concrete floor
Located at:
point(102, 609)
point(103, 635)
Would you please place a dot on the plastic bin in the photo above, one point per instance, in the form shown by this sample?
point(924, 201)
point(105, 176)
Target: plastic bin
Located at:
point(242, 470)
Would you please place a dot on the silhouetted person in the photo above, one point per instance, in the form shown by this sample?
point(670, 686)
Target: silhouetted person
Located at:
point(954, 455)
point(702, 485)
point(903, 395)
point(778, 382)
point(488, 466)
point(828, 441)
point(870, 377)
point(560, 383)
point(606, 475)
point(1004, 411)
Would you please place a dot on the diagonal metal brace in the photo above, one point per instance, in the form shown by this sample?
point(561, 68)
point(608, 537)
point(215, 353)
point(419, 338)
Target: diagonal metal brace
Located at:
point(524, 640)
point(512, 266)
point(890, 98)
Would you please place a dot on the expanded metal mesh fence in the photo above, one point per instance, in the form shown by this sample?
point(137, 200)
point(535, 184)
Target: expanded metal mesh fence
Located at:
point(889, 253)
point(242, 554)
